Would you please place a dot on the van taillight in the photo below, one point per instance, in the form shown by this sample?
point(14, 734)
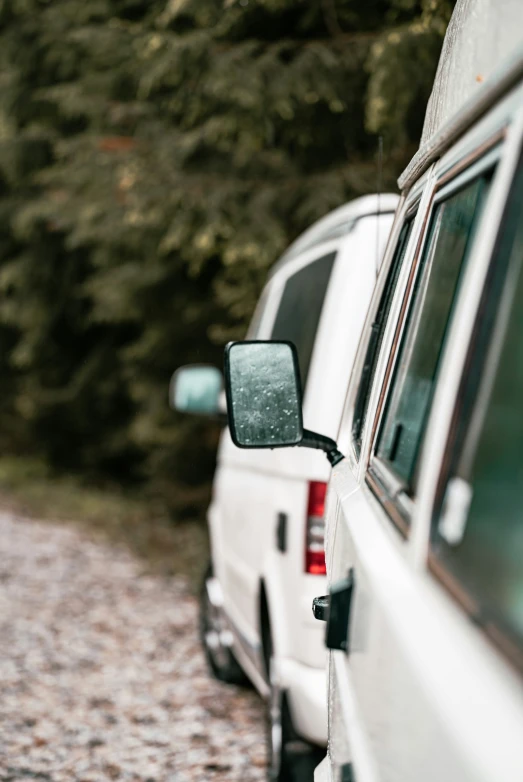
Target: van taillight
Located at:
point(315, 532)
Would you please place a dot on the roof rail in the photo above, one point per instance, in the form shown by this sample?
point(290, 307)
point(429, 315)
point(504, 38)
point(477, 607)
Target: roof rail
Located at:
point(481, 57)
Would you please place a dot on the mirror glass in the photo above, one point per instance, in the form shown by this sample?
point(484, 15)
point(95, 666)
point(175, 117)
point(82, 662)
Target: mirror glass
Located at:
point(263, 394)
point(196, 389)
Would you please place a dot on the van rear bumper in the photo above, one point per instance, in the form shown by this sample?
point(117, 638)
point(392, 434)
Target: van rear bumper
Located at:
point(307, 693)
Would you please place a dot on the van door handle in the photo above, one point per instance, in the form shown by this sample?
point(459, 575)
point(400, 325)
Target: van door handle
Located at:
point(320, 607)
point(340, 602)
point(281, 533)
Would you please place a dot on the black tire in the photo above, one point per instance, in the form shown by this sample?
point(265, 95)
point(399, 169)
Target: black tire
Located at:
point(220, 658)
point(289, 757)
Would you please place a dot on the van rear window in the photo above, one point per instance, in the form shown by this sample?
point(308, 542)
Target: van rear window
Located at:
point(300, 309)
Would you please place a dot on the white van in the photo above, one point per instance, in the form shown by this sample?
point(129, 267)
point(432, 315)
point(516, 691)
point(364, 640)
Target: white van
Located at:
point(266, 518)
point(424, 536)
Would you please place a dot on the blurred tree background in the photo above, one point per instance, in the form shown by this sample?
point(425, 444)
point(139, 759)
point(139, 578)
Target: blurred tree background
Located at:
point(156, 156)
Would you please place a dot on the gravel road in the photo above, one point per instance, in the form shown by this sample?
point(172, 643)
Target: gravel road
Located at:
point(101, 674)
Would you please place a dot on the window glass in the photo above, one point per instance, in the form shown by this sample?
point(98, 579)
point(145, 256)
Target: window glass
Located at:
point(449, 241)
point(376, 336)
point(478, 533)
point(300, 309)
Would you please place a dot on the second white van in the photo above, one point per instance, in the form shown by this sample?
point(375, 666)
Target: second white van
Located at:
point(266, 519)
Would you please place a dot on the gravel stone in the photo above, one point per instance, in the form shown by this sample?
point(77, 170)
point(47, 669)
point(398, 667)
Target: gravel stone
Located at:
point(101, 672)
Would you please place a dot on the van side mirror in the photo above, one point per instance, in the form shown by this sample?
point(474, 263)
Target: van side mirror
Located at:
point(196, 389)
point(264, 398)
point(262, 383)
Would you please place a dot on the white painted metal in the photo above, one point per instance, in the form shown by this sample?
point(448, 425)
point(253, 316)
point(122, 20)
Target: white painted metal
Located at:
point(423, 695)
point(480, 36)
point(252, 487)
point(481, 58)
point(336, 224)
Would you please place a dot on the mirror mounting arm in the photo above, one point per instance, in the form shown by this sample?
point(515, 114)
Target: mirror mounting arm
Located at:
point(322, 443)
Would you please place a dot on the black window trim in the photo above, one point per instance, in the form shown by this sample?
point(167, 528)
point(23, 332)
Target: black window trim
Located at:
point(409, 212)
point(366, 380)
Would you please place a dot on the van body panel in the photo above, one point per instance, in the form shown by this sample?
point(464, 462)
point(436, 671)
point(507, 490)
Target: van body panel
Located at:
point(425, 711)
point(424, 692)
point(307, 687)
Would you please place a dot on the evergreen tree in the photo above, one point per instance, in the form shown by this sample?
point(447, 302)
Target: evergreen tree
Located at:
point(155, 159)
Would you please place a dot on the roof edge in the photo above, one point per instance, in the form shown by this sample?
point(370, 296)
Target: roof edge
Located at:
point(346, 213)
point(505, 77)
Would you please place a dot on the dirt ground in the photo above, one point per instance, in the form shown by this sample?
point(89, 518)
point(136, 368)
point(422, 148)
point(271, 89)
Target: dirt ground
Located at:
point(101, 673)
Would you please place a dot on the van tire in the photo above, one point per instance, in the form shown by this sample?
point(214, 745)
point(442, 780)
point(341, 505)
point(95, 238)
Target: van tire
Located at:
point(219, 657)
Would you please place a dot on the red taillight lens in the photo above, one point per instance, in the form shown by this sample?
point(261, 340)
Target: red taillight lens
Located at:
point(317, 492)
point(315, 563)
point(315, 532)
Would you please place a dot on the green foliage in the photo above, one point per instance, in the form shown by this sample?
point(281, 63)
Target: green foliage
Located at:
point(402, 66)
point(155, 159)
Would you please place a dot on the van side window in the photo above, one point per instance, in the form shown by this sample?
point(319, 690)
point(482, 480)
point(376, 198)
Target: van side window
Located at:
point(437, 281)
point(477, 532)
point(376, 336)
point(300, 309)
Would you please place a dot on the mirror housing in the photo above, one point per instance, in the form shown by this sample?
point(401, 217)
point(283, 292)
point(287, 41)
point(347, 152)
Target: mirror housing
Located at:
point(264, 398)
point(262, 383)
point(197, 388)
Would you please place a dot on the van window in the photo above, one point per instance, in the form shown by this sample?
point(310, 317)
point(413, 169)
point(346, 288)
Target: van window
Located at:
point(478, 532)
point(449, 240)
point(376, 336)
point(300, 309)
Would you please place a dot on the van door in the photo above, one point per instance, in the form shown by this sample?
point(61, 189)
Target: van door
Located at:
point(383, 703)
